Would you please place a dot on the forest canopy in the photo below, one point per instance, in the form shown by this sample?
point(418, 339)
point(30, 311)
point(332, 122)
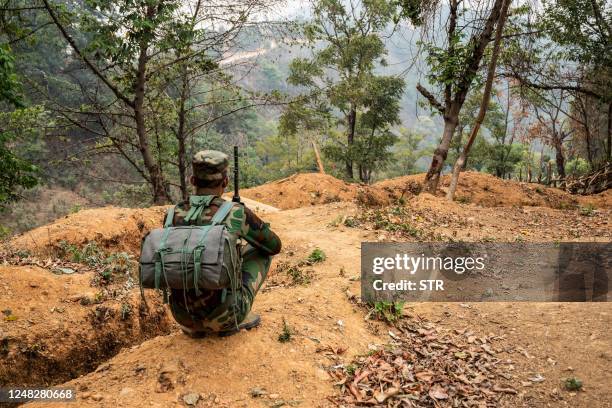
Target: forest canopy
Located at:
point(111, 99)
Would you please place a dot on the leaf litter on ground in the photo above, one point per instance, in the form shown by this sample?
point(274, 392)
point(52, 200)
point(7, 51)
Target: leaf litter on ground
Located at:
point(428, 366)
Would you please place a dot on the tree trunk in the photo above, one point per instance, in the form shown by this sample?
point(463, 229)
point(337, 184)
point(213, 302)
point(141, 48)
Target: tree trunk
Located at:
point(540, 165)
point(351, 123)
point(180, 136)
point(560, 159)
point(484, 105)
point(548, 173)
point(453, 105)
point(457, 168)
point(364, 174)
point(318, 157)
point(529, 172)
point(587, 136)
point(156, 178)
point(587, 132)
point(183, 169)
point(433, 175)
point(609, 132)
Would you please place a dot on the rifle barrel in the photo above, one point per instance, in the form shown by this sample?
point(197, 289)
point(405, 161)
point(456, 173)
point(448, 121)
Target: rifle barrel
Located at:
point(236, 197)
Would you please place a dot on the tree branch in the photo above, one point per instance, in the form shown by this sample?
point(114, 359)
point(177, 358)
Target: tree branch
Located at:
point(91, 66)
point(430, 98)
point(554, 87)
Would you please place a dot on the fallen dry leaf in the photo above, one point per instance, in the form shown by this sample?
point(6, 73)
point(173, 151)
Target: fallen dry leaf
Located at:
point(437, 392)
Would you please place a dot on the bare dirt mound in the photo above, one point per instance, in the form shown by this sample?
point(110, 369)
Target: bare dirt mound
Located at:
point(430, 218)
point(485, 190)
point(56, 327)
point(301, 190)
point(490, 191)
point(110, 227)
point(600, 200)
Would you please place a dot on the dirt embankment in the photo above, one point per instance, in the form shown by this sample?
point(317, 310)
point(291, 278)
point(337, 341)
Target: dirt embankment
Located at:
point(56, 326)
point(113, 228)
point(69, 295)
point(301, 190)
point(486, 190)
point(476, 188)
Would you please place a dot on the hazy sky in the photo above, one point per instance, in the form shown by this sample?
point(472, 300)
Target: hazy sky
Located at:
point(289, 9)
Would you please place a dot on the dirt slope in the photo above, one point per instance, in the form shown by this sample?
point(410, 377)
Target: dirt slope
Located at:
point(302, 190)
point(553, 340)
point(55, 327)
point(482, 189)
point(293, 369)
point(489, 191)
point(118, 228)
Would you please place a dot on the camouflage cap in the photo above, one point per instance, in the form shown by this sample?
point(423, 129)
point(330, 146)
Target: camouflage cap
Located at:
point(209, 165)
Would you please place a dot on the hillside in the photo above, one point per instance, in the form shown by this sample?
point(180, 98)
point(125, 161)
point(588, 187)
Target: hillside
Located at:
point(143, 364)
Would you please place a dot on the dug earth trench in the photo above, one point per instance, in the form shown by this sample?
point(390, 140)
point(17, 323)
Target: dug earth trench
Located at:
point(68, 298)
point(313, 326)
point(56, 327)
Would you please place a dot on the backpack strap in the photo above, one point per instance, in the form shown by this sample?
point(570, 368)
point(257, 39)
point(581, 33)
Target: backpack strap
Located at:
point(169, 217)
point(222, 212)
point(142, 295)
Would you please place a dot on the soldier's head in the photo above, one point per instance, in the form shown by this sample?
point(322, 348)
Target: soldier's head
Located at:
point(210, 171)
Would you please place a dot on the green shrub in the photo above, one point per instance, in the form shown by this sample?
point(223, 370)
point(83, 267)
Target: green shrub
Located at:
point(573, 384)
point(316, 256)
point(286, 333)
point(388, 311)
point(587, 210)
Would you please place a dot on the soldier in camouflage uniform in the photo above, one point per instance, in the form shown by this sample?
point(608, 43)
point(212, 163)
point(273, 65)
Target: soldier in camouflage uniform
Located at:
point(223, 311)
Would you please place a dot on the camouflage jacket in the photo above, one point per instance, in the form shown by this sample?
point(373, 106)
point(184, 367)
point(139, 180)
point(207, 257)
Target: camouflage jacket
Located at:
point(186, 306)
point(240, 220)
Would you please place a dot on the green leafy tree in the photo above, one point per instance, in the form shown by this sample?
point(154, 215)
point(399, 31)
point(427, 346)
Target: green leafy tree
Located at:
point(454, 65)
point(569, 49)
point(503, 158)
point(407, 151)
point(146, 58)
point(15, 172)
point(10, 88)
point(584, 27)
point(344, 89)
point(577, 167)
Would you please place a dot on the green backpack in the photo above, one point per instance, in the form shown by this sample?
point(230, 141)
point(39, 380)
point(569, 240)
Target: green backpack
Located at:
point(192, 256)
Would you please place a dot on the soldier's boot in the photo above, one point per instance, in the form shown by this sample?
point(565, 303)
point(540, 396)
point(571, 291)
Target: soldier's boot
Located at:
point(252, 320)
point(194, 334)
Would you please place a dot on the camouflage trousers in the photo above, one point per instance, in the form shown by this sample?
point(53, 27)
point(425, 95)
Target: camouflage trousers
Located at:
point(217, 311)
